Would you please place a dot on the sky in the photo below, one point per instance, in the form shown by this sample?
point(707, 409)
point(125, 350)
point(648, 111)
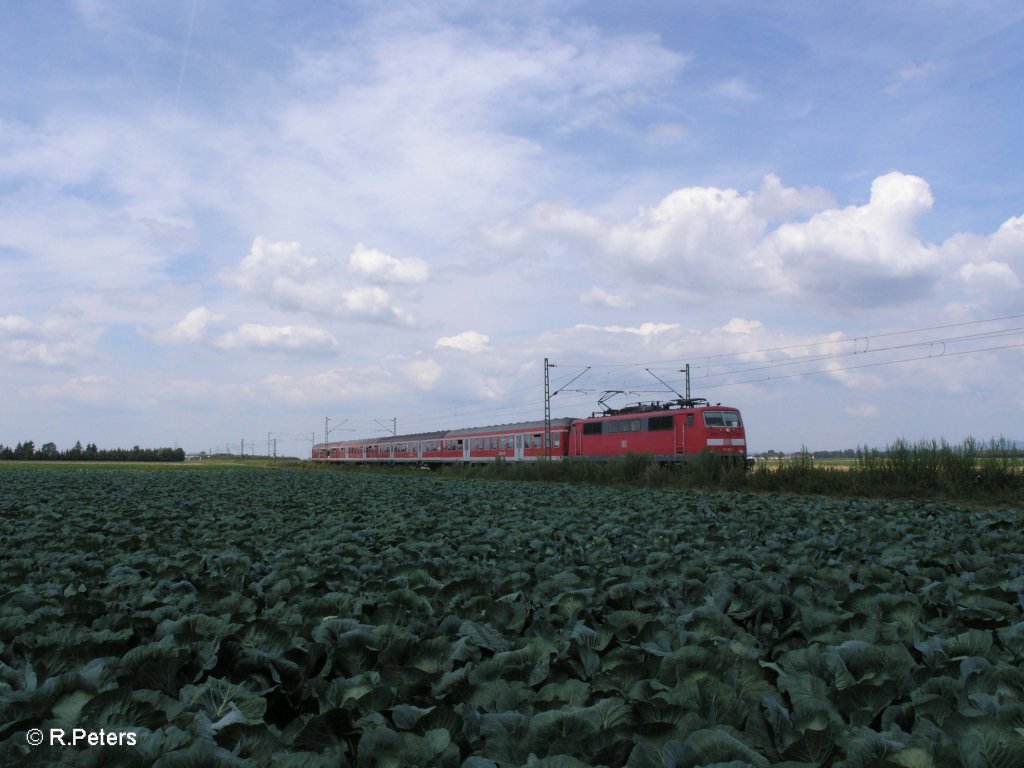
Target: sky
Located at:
point(222, 223)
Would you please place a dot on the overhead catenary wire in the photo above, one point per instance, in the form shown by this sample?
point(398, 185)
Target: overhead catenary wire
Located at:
point(846, 339)
point(634, 379)
point(781, 362)
point(868, 365)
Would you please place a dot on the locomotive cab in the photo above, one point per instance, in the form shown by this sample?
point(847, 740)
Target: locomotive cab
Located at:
point(677, 431)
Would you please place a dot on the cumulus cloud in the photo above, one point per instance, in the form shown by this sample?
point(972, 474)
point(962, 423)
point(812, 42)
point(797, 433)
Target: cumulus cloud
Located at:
point(467, 341)
point(192, 327)
point(599, 297)
point(13, 325)
point(424, 373)
point(991, 267)
point(377, 266)
point(867, 255)
point(286, 277)
point(55, 343)
point(685, 240)
point(989, 276)
point(337, 384)
point(197, 324)
point(285, 338)
point(686, 228)
point(776, 202)
point(644, 329)
point(740, 326)
point(775, 242)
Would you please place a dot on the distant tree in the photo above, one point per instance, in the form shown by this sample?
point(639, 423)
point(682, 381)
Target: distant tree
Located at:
point(48, 451)
point(25, 450)
point(75, 454)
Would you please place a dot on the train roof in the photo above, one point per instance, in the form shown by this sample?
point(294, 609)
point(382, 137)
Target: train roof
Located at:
point(442, 434)
point(387, 439)
point(519, 425)
point(683, 404)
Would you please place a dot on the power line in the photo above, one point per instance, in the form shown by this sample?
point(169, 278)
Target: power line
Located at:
point(610, 376)
point(866, 365)
point(777, 363)
point(847, 339)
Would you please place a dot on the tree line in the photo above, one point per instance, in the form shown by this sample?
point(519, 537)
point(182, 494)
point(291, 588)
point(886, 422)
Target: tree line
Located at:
point(27, 451)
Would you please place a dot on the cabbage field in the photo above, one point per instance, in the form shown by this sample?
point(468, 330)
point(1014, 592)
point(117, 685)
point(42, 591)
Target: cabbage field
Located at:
point(250, 617)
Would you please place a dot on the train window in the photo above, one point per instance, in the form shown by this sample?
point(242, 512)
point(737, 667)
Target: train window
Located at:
point(659, 422)
point(689, 419)
point(536, 441)
point(557, 437)
point(593, 427)
point(721, 419)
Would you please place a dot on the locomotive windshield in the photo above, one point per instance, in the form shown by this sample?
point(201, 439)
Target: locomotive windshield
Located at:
point(721, 418)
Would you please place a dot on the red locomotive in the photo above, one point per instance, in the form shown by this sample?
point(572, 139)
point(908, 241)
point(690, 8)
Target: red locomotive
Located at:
point(671, 432)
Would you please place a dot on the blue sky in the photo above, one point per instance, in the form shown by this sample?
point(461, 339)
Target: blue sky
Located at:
point(220, 221)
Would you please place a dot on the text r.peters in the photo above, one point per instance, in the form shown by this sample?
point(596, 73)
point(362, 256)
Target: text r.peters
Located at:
point(100, 738)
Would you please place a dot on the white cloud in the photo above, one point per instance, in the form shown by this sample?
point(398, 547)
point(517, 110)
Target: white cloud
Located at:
point(287, 338)
point(55, 343)
point(435, 119)
point(424, 373)
point(910, 74)
point(735, 89)
point(991, 267)
point(599, 297)
point(94, 389)
point(700, 239)
point(860, 256)
point(467, 341)
point(775, 202)
point(740, 326)
point(290, 279)
point(379, 267)
point(191, 329)
point(863, 411)
point(335, 385)
point(667, 133)
point(13, 325)
point(644, 329)
point(989, 276)
point(707, 242)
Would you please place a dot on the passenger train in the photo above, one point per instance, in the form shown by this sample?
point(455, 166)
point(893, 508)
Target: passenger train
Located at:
point(675, 431)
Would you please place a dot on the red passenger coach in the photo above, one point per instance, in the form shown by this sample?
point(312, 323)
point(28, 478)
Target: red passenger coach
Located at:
point(670, 432)
point(523, 441)
point(673, 431)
